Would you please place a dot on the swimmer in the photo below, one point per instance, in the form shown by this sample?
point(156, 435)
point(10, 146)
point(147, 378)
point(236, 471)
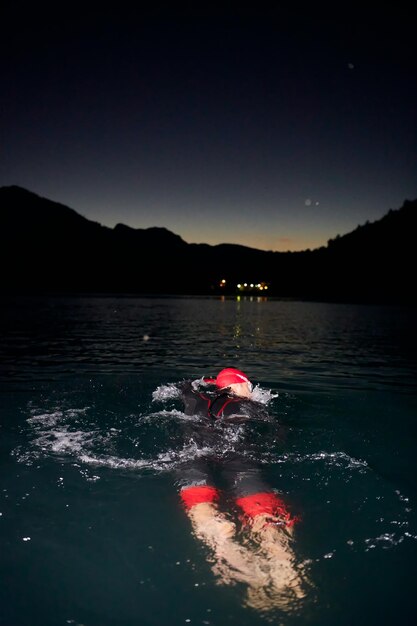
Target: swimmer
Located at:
point(264, 559)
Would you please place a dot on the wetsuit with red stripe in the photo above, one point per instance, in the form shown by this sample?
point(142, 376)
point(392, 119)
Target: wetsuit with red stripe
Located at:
point(214, 405)
point(241, 476)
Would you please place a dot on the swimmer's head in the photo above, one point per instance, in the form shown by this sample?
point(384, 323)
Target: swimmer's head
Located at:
point(235, 380)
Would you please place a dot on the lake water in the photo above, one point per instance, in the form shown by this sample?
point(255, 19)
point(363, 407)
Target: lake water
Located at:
point(93, 532)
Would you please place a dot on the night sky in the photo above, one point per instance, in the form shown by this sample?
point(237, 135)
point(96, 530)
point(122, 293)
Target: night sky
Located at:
point(272, 129)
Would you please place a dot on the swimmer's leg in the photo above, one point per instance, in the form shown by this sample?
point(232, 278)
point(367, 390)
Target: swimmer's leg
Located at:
point(265, 508)
point(231, 562)
point(201, 505)
point(255, 498)
point(200, 499)
point(192, 495)
point(268, 527)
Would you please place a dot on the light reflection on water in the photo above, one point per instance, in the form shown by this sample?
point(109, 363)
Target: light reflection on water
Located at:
point(90, 447)
point(280, 342)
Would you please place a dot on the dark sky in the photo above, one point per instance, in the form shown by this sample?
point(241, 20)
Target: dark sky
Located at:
point(269, 128)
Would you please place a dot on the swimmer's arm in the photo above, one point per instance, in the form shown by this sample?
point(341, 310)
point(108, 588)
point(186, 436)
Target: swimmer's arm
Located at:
point(236, 418)
point(185, 386)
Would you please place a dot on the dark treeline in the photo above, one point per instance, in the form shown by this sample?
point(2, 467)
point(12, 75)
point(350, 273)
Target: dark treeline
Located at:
point(48, 247)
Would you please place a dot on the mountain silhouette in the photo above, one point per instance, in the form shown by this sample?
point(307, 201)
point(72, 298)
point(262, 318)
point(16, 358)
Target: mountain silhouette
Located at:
point(49, 247)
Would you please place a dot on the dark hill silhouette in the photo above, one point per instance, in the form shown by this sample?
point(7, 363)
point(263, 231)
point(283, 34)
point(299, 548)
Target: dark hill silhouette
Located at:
point(46, 246)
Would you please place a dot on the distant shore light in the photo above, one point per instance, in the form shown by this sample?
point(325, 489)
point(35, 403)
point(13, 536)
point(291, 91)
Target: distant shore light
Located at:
point(252, 286)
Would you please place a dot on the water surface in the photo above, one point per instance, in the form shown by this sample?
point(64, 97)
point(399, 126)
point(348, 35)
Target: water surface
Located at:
point(92, 529)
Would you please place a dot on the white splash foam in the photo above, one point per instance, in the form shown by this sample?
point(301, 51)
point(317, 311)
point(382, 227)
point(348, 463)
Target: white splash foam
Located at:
point(263, 396)
point(165, 461)
point(67, 441)
point(166, 392)
point(172, 414)
point(54, 433)
point(46, 419)
point(339, 459)
point(173, 392)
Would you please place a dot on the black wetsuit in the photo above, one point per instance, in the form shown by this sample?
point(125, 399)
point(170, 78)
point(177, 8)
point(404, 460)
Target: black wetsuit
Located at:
point(224, 435)
point(215, 404)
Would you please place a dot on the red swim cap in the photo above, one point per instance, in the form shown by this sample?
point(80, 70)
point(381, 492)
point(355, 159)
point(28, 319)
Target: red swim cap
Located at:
point(230, 376)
